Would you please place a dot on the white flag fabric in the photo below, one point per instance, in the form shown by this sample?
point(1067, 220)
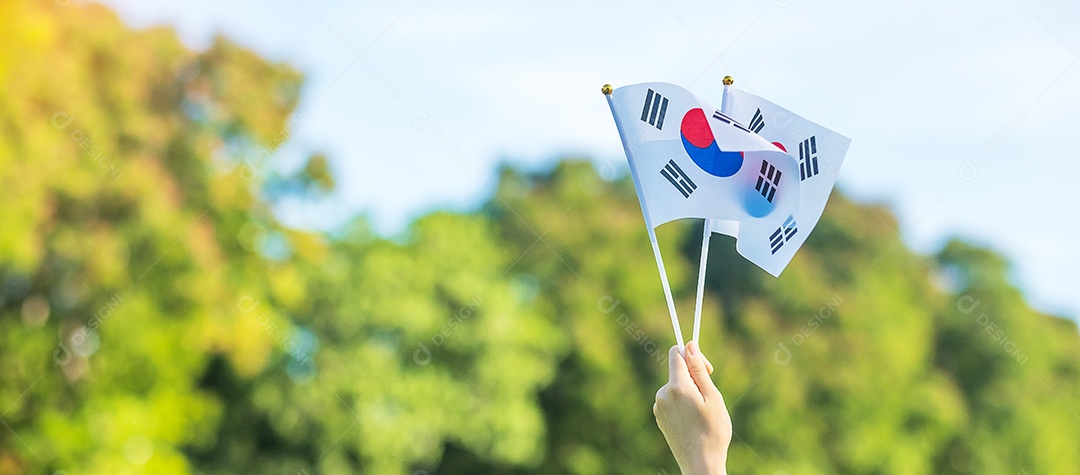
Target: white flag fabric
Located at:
point(819, 153)
point(690, 161)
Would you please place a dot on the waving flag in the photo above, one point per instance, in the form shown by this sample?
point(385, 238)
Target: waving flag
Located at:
point(765, 183)
point(689, 160)
point(819, 153)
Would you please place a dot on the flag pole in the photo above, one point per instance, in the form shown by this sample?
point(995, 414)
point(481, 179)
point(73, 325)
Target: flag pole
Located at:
point(606, 89)
point(706, 235)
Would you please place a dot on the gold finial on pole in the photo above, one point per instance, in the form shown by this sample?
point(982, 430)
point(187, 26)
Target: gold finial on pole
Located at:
point(606, 89)
point(728, 80)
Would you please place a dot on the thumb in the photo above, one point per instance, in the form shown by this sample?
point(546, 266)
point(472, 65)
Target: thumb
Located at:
point(699, 370)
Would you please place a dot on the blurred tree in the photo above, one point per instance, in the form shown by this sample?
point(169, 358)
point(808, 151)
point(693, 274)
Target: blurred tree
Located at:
point(156, 318)
point(863, 358)
point(122, 259)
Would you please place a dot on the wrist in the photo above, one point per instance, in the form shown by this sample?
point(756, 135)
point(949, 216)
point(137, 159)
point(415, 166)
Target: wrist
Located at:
point(706, 465)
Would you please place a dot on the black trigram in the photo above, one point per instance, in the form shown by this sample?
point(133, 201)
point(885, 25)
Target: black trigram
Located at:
point(727, 120)
point(768, 181)
point(678, 178)
point(654, 110)
point(758, 122)
point(808, 158)
point(783, 234)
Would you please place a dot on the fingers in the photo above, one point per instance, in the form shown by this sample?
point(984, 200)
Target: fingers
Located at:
point(698, 367)
point(708, 364)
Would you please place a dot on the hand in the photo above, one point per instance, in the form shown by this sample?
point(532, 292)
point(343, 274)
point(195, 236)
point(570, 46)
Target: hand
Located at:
point(691, 413)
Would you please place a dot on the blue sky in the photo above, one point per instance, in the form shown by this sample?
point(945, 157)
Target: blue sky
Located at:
point(959, 114)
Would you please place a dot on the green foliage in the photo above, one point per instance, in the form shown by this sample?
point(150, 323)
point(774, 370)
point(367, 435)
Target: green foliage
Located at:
point(156, 318)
